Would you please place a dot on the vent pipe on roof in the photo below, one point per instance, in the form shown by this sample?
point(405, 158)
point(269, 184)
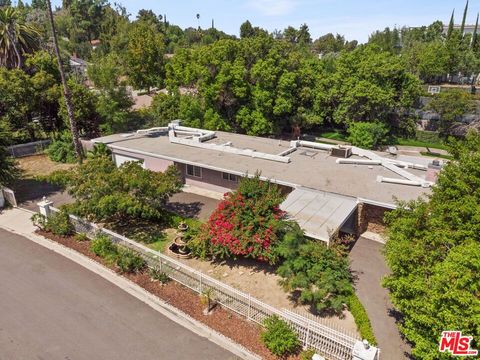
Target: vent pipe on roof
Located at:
point(359, 162)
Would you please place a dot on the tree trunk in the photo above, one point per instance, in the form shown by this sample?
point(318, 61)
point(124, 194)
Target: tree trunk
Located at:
point(13, 40)
point(66, 91)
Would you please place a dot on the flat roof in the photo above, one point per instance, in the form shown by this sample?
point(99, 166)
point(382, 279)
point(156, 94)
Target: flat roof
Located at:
point(310, 168)
point(320, 214)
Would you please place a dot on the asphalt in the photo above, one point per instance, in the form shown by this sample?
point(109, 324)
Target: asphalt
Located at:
point(52, 308)
point(369, 267)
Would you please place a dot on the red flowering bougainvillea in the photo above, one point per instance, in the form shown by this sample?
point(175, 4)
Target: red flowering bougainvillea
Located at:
point(248, 222)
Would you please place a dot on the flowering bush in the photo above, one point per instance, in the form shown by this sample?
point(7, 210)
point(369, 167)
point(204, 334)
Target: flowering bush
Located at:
point(248, 222)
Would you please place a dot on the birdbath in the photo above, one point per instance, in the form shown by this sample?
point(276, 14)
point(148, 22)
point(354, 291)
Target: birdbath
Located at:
point(179, 246)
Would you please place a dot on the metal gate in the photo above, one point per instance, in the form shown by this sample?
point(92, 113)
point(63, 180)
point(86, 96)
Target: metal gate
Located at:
point(9, 196)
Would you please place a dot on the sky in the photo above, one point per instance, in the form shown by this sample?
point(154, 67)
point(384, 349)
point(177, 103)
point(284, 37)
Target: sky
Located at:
point(356, 19)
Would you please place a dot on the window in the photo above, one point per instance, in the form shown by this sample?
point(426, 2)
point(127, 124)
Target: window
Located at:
point(229, 177)
point(194, 171)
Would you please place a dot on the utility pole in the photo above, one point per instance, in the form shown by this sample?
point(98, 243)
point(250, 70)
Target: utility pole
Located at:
point(66, 91)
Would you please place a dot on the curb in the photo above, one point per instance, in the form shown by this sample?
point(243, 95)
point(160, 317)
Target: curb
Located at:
point(141, 294)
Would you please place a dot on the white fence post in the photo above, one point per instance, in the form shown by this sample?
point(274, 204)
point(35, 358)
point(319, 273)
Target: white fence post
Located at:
point(201, 283)
point(249, 306)
point(44, 207)
point(307, 337)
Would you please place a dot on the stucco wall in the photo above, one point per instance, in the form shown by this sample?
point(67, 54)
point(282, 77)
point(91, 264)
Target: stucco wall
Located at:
point(210, 180)
point(151, 163)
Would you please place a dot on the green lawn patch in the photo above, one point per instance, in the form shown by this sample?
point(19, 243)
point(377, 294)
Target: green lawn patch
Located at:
point(334, 135)
point(420, 143)
point(162, 242)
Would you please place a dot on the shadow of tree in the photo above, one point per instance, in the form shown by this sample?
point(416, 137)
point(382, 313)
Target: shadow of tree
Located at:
point(191, 210)
point(32, 190)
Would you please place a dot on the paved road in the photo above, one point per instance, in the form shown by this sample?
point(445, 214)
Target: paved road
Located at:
point(369, 266)
point(52, 308)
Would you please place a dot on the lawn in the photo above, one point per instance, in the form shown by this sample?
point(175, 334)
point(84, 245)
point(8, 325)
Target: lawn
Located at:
point(420, 143)
point(162, 242)
point(40, 165)
point(333, 135)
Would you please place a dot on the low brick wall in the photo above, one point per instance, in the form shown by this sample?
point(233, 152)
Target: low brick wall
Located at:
point(370, 218)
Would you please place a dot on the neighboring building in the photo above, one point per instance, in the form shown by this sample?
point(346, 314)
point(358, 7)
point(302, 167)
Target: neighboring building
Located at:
point(78, 66)
point(330, 188)
point(469, 29)
point(95, 43)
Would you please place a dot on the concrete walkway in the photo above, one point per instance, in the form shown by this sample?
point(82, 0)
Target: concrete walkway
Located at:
point(368, 265)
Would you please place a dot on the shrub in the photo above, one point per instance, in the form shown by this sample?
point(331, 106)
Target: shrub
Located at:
point(99, 150)
point(39, 221)
point(278, 337)
point(307, 354)
point(62, 149)
point(81, 237)
point(367, 135)
point(59, 224)
point(317, 272)
point(246, 223)
point(103, 247)
point(129, 262)
point(361, 319)
point(159, 275)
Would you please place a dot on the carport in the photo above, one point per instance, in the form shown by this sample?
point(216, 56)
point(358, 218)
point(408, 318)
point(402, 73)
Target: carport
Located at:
point(320, 214)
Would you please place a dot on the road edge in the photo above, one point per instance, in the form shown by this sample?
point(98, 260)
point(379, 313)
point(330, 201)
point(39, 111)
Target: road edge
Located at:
point(141, 294)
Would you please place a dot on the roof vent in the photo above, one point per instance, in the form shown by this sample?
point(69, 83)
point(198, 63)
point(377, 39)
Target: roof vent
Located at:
point(309, 153)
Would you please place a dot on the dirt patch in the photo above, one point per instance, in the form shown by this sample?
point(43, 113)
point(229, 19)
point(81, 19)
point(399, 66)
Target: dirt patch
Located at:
point(261, 281)
point(240, 330)
point(40, 165)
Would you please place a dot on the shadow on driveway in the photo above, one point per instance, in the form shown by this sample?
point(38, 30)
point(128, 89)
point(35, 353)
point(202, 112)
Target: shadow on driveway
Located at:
point(369, 267)
point(28, 192)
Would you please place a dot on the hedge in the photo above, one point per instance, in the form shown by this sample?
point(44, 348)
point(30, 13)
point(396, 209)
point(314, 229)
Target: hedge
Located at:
point(361, 319)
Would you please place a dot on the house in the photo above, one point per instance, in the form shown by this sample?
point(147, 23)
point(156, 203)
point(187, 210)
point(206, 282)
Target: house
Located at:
point(330, 188)
point(78, 66)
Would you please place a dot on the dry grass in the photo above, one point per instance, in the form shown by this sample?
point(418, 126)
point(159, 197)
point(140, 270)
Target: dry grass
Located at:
point(40, 165)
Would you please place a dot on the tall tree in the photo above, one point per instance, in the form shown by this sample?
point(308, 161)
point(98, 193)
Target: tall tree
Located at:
point(451, 25)
point(144, 58)
point(464, 19)
point(246, 30)
point(8, 169)
point(433, 251)
point(66, 90)
point(475, 35)
point(17, 38)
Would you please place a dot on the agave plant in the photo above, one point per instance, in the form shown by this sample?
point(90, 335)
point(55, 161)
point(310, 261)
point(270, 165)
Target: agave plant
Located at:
point(16, 38)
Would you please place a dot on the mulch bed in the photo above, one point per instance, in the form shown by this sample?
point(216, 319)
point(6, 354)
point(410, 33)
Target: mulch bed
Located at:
point(224, 321)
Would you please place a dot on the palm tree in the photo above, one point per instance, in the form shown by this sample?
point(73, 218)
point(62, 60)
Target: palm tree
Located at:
point(16, 38)
point(66, 90)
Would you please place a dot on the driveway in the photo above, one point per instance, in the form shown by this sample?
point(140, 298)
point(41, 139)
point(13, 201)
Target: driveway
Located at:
point(29, 192)
point(52, 308)
point(192, 205)
point(368, 265)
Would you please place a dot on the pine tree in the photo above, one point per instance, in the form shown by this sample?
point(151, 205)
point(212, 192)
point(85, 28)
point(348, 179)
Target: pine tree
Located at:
point(450, 25)
point(465, 12)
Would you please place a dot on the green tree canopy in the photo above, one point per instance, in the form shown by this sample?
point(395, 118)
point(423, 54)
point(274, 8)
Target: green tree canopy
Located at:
point(104, 192)
point(433, 252)
point(451, 105)
point(17, 38)
point(8, 167)
point(144, 57)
